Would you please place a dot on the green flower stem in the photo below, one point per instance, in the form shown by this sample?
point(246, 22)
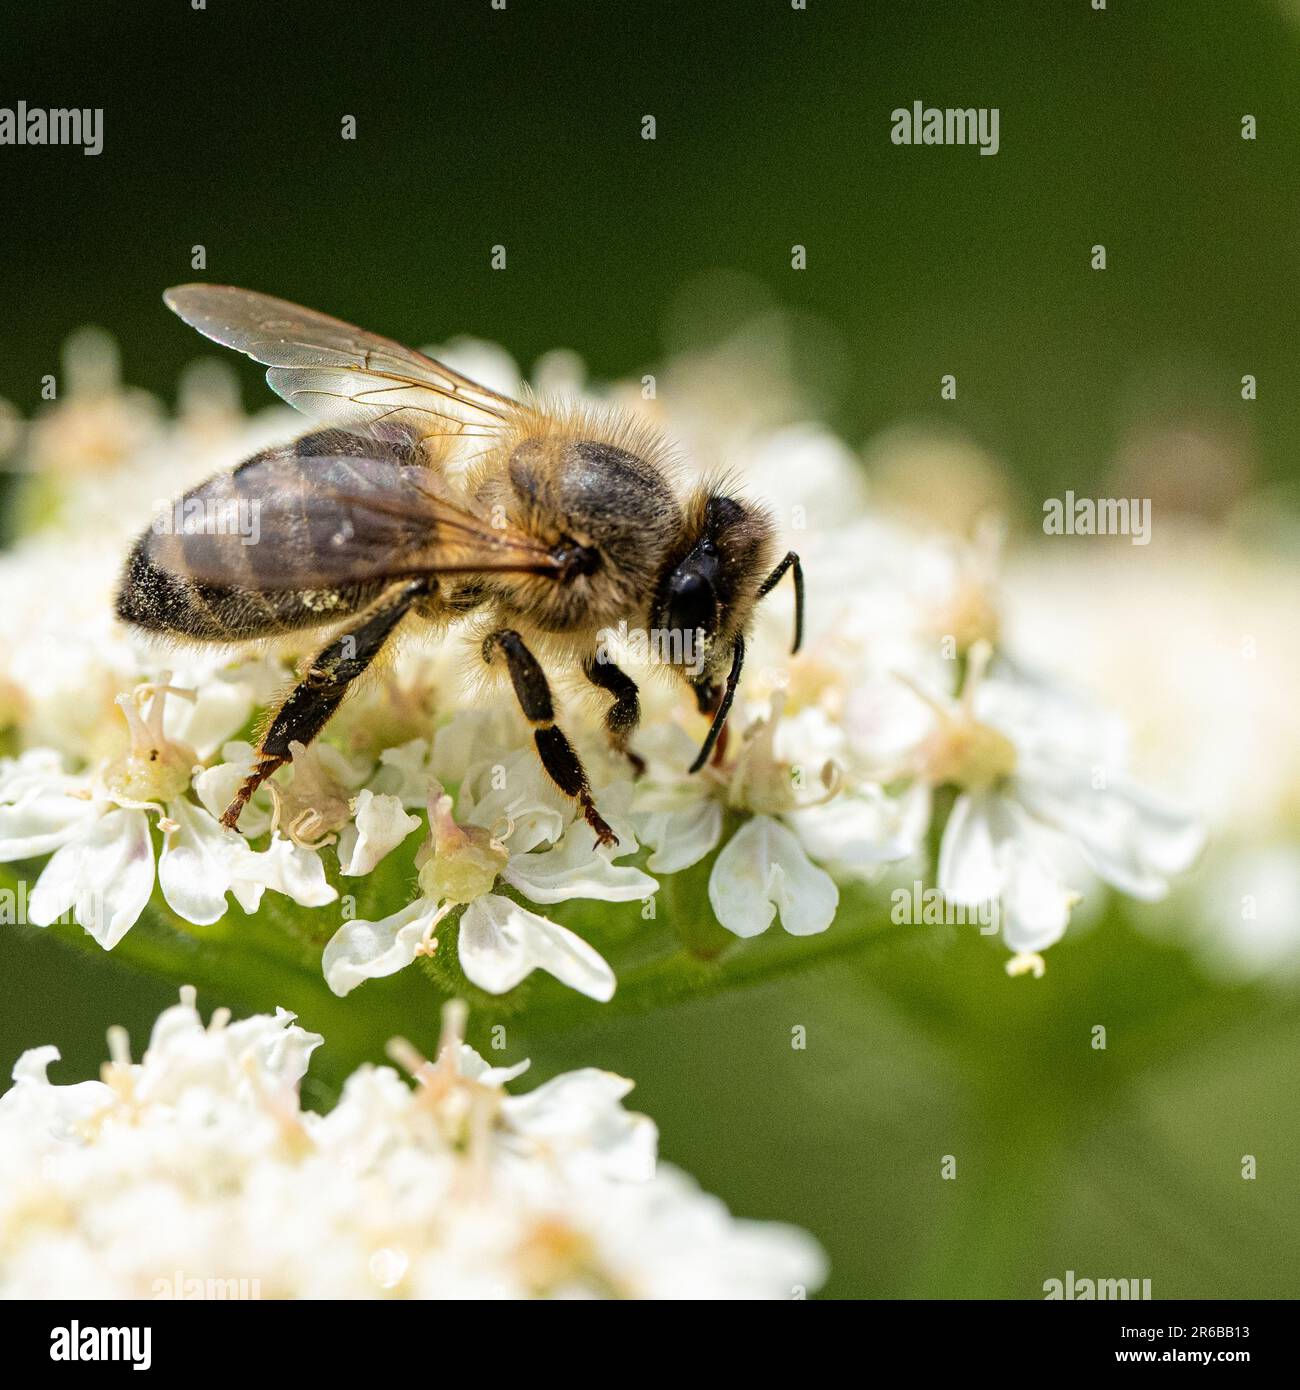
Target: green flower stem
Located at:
point(684, 899)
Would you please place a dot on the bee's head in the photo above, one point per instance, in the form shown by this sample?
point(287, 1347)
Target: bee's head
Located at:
point(708, 590)
point(706, 593)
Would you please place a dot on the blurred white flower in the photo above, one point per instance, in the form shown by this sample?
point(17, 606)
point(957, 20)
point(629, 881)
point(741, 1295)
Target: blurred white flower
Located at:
point(200, 1158)
point(1250, 926)
point(1030, 764)
point(1207, 705)
point(1191, 642)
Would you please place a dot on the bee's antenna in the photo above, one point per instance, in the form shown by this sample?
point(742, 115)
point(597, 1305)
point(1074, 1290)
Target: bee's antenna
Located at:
point(791, 561)
point(724, 705)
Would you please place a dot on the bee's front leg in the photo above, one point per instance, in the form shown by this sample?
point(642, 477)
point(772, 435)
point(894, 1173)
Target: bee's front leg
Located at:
point(556, 752)
point(314, 699)
point(623, 716)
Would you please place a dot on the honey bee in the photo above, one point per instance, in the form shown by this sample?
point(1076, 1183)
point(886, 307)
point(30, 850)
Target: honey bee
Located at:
point(426, 498)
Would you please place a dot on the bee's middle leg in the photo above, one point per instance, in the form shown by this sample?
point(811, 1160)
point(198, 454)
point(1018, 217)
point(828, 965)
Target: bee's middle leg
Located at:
point(314, 699)
point(556, 752)
point(623, 716)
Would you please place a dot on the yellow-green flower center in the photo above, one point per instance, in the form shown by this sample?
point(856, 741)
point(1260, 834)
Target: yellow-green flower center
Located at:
point(159, 772)
point(460, 862)
point(153, 768)
point(967, 754)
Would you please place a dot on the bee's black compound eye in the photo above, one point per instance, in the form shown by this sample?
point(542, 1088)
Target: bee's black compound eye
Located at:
point(692, 603)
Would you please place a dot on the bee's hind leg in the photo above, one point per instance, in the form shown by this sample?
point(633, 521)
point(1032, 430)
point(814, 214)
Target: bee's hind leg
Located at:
point(556, 752)
point(314, 699)
point(623, 716)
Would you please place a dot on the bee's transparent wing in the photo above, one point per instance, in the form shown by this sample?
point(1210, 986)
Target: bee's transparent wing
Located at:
point(283, 521)
point(344, 376)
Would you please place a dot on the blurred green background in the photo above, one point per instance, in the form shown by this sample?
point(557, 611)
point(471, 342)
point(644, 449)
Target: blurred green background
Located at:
point(522, 127)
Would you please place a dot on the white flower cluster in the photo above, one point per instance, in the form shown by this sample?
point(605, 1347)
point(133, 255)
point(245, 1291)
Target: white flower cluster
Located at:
point(903, 725)
point(1211, 706)
point(195, 1172)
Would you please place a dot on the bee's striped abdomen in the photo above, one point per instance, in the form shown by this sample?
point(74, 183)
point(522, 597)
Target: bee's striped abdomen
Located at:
point(292, 538)
point(162, 600)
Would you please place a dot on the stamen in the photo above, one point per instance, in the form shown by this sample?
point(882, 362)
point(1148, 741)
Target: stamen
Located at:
point(935, 702)
point(277, 803)
point(313, 806)
point(154, 768)
point(135, 724)
point(455, 1014)
point(428, 943)
point(411, 1060)
point(119, 1045)
point(1027, 963)
point(977, 665)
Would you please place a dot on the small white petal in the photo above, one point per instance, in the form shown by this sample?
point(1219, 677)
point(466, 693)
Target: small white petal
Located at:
point(502, 943)
point(37, 770)
point(578, 868)
point(219, 710)
point(42, 821)
point(32, 1066)
point(1170, 837)
point(105, 876)
point(293, 870)
point(859, 831)
point(471, 736)
point(970, 863)
point(361, 951)
point(1035, 903)
point(477, 1069)
point(763, 869)
point(199, 863)
point(681, 837)
point(885, 720)
point(513, 797)
point(1132, 839)
point(580, 1114)
point(405, 772)
point(282, 1049)
point(248, 892)
point(336, 764)
point(38, 1104)
point(216, 786)
point(381, 825)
